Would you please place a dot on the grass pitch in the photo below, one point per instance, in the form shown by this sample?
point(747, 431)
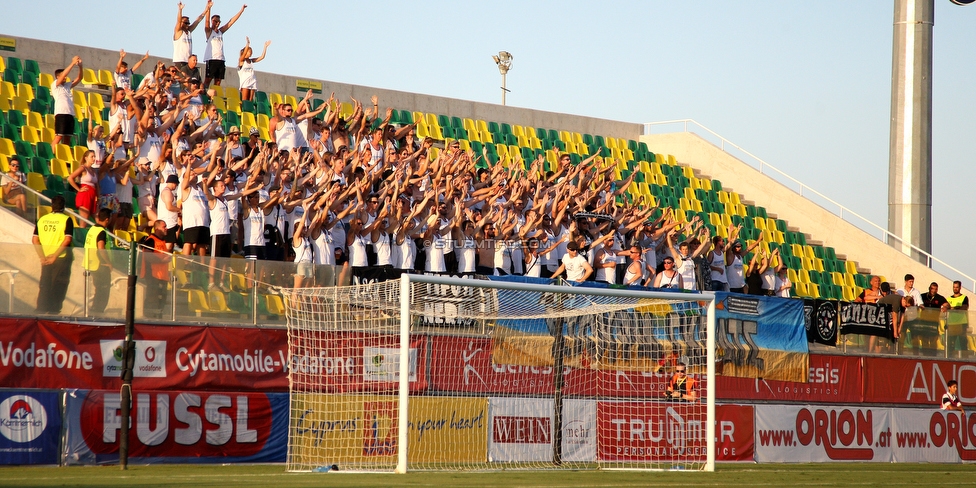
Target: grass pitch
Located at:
point(794, 475)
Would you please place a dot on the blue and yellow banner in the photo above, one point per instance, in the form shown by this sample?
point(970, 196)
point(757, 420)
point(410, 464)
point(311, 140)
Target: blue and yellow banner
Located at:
point(761, 337)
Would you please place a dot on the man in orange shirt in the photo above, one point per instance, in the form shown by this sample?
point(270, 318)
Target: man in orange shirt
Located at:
point(681, 386)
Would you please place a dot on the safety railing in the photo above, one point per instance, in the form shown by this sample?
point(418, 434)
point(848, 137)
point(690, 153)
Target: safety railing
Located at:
point(829, 204)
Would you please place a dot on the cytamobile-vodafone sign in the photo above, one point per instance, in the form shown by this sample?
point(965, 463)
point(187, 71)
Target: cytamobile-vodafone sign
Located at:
point(43, 354)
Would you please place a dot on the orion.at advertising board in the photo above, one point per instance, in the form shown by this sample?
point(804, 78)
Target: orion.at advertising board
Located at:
point(177, 427)
point(30, 427)
point(794, 433)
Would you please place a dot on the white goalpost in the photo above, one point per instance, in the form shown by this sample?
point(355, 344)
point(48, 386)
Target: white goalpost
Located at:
point(445, 373)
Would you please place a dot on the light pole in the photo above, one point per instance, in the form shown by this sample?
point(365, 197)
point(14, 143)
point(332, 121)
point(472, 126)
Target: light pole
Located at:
point(504, 62)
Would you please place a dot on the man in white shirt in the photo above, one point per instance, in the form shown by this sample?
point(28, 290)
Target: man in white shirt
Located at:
point(213, 55)
point(182, 35)
point(64, 105)
point(910, 291)
point(577, 268)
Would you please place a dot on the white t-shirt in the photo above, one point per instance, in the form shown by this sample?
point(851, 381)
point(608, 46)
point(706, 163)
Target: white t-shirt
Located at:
point(63, 104)
point(575, 267)
point(215, 46)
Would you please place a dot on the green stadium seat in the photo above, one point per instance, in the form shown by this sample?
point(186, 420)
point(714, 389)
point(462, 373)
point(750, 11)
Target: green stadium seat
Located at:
point(261, 97)
point(11, 76)
point(31, 66)
point(15, 64)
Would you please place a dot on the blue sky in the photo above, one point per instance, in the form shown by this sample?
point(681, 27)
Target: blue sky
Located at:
point(803, 85)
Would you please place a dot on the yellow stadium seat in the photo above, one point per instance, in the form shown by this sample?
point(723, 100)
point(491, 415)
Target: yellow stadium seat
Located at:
point(803, 275)
point(59, 167)
point(275, 99)
point(292, 100)
point(218, 303)
point(802, 289)
point(4, 166)
point(47, 135)
point(35, 120)
point(275, 305)
point(233, 104)
point(422, 130)
point(814, 290)
point(25, 91)
point(433, 153)
point(219, 103)
point(695, 184)
point(80, 152)
point(197, 301)
point(610, 142)
point(734, 198)
point(79, 98)
point(851, 267)
point(45, 79)
point(95, 101)
point(18, 103)
point(105, 78)
point(808, 252)
point(705, 183)
point(3, 65)
point(218, 91)
point(679, 215)
point(791, 274)
point(89, 77)
point(723, 197)
point(837, 278)
point(7, 90)
point(247, 118)
point(35, 181)
point(49, 121)
point(29, 134)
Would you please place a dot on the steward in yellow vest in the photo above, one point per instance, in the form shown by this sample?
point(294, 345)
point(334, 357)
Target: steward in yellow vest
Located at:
point(52, 241)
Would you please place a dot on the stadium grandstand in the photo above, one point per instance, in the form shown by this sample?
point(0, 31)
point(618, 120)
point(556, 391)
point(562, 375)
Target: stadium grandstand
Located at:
point(433, 173)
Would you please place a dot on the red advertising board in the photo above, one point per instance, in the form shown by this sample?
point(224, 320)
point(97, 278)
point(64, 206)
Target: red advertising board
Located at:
point(464, 364)
point(661, 431)
point(831, 379)
point(177, 426)
point(916, 381)
point(339, 362)
point(44, 354)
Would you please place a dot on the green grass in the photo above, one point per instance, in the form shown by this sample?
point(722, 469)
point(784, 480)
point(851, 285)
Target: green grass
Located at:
point(772, 475)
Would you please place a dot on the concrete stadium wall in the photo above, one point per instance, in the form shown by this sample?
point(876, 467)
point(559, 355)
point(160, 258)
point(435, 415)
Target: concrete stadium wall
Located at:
point(798, 211)
point(54, 55)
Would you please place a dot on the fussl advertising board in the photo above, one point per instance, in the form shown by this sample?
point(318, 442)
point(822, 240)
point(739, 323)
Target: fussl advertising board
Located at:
point(177, 427)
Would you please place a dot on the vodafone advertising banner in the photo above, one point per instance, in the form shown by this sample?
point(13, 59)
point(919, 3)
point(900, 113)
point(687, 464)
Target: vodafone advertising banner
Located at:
point(177, 427)
point(805, 434)
point(916, 381)
point(341, 362)
point(44, 354)
point(830, 379)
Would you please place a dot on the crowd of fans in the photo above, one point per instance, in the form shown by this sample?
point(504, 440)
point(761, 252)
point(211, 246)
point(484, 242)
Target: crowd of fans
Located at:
point(364, 197)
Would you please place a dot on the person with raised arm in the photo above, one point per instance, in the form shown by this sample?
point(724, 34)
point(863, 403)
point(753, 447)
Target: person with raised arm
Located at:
point(64, 105)
point(183, 35)
point(213, 55)
point(245, 70)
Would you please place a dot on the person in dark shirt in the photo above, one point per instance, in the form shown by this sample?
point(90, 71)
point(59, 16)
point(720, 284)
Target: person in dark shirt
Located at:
point(932, 299)
point(893, 300)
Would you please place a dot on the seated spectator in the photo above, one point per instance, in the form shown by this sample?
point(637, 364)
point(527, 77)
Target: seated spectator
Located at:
point(13, 193)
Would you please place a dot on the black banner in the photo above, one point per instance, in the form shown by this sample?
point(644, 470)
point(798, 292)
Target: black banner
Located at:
point(866, 318)
point(821, 321)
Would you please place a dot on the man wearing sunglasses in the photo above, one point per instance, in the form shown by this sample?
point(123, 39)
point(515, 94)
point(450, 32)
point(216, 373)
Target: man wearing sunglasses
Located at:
point(681, 387)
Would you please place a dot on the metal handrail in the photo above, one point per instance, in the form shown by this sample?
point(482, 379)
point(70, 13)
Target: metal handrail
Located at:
point(930, 259)
point(4, 178)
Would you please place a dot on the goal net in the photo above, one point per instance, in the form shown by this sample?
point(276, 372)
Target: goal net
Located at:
point(498, 375)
